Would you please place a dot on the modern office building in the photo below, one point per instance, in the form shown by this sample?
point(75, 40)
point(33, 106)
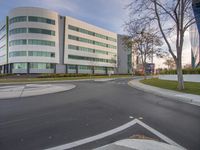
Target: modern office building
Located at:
point(36, 40)
point(194, 35)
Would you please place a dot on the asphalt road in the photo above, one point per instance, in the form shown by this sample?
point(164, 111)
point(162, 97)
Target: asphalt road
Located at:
point(91, 108)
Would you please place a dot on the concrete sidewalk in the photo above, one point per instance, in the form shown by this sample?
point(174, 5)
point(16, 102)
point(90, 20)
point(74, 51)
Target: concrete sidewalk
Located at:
point(138, 144)
point(16, 91)
point(188, 98)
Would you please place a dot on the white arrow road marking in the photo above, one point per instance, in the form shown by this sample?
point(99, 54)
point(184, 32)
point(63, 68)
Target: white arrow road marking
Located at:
point(94, 138)
point(158, 134)
point(113, 131)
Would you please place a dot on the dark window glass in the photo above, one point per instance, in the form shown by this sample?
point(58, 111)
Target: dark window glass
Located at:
point(17, 31)
point(18, 19)
point(18, 42)
point(41, 31)
point(41, 19)
point(40, 42)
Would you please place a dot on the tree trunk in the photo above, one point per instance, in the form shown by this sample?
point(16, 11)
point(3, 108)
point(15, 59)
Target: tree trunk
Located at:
point(180, 74)
point(144, 71)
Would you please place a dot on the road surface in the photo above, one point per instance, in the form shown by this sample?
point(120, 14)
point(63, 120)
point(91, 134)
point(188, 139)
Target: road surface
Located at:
point(46, 121)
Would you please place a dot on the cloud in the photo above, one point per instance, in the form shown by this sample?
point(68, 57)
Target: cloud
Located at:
point(59, 5)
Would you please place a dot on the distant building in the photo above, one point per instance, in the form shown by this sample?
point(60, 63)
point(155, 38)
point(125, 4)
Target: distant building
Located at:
point(128, 62)
point(194, 35)
point(125, 57)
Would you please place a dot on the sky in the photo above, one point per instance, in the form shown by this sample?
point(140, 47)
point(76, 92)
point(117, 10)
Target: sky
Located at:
point(108, 14)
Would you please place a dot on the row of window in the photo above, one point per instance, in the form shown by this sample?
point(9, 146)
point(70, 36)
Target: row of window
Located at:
point(2, 58)
point(91, 33)
point(3, 47)
point(90, 50)
point(76, 38)
point(41, 19)
point(36, 65)
point(82, 67)
point(32, 30)
point(3, 35)
point(33, 65)
point(31, 19)
point(31, 42)
point(91, 59)
point(3, 30)
point(31, 53)
point(17, 31)
point(41, 31)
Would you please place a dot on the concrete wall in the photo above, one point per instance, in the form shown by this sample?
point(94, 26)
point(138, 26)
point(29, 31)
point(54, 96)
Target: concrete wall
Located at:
point(187, 77)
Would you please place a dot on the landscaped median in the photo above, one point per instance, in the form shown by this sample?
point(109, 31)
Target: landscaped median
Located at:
point(190, 87)
point(168, 89)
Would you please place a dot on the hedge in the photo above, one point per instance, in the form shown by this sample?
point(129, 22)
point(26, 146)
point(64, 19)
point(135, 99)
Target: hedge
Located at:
point(185, 71)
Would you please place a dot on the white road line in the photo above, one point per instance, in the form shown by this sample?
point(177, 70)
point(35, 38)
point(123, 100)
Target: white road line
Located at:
point(160, 135)
point(113, 131)
point(94, 138)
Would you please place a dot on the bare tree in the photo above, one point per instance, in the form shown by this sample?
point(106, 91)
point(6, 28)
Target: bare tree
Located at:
point(170, 63)
point(172, 18)
point(144, 43)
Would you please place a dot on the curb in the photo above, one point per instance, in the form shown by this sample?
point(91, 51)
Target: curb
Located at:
point(183, 97)
point(21, 91)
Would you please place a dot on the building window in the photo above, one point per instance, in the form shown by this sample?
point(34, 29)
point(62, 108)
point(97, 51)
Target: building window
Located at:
point(41, 31)
point(72, 67)
point(17, 31)
point(18, 42)
point(2, 58)
point(90, 50)
point(2, 29)
point(17, 54)
point(41, 54)
point(40, 42)
point(81, 67)
point(99, 68)
point(91, 33)
point(36, 65)
point(20, 66)
point(3, 47)
point(3, 37)
point(18, 19)
point(76, 38)
point(91, 59)
point(41, 19)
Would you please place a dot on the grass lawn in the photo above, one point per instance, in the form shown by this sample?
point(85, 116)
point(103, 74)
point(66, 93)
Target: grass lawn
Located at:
point(190, 87)
point(23, 80)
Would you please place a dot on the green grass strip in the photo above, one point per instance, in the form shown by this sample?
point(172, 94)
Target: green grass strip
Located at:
point(190, 87)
